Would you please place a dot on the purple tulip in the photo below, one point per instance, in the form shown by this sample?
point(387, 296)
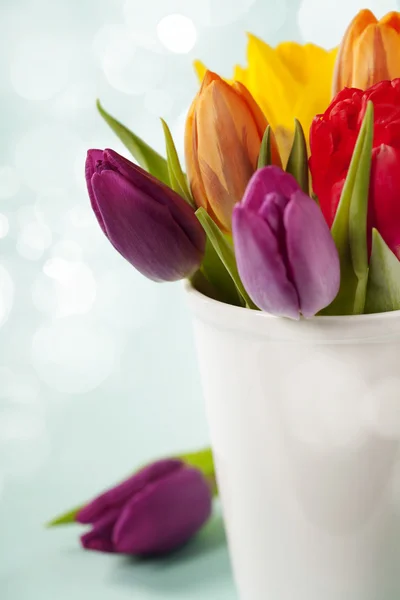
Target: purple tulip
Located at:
point(153, 512)
point(286, 256)
point(147, 222)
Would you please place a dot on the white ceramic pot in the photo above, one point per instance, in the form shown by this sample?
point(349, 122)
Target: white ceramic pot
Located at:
point(305, 427)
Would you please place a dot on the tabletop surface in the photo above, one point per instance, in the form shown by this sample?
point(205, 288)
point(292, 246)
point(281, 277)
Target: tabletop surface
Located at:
point(50, 565)
point(47, 564)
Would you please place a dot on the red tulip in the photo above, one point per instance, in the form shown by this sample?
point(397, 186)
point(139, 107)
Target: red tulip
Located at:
point(333, 136)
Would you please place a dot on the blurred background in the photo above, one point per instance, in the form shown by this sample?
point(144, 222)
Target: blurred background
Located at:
point(97, 364)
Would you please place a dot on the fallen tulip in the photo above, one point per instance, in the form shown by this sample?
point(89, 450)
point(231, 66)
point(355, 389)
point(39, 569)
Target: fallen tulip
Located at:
point(155, 511)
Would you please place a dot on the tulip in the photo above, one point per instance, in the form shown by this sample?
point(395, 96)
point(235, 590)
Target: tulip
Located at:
point(156, 511)
point(290, 81)
point(285, 253)
point(333, 137)
point(224, 130)
point(147, 222)
point(369, 52)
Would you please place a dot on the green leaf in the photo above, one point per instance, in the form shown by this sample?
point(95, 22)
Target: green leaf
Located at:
point(65, 519)
point(177, 177)
point(349, 229)
point(265, 156)
point(202, 460)
point(383, 289)
point(297, 164)
point(218, 276)
point(147, 158)
point(225, 252)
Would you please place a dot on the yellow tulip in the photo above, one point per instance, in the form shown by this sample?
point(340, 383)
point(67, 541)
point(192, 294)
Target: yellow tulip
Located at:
point(369, 52)
point(289, 81)
point(224, 130)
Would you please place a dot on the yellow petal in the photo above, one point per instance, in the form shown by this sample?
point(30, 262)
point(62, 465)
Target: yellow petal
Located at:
point(240, 74)
point(308, 62)
point(200, 69)
point(271, 83)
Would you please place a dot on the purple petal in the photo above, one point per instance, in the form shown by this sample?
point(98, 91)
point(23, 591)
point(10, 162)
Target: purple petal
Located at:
point(180, 210)
point(312, 254)
point(261, 264)
point(116, 497)
point(165, 515)
point(272, 210)
point(266, 181)
point(93, 156)
point(145, 232)
point(100, 537)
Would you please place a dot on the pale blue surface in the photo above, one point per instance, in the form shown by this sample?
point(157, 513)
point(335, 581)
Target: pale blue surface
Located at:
point(97, 366)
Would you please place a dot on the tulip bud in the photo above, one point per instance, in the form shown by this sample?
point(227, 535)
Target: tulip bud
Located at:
point(285, 253)
point(224, 130)
point(147, 222)
point(153, 512)
point(369, 52)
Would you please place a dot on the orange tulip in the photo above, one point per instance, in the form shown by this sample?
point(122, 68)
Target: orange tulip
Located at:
point(369, 52)
point(224, 130)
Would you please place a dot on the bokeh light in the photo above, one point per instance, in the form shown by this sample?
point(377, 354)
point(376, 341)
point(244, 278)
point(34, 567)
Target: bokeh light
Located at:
point(9, 181)
point(324, 23)
point(73, 355)
point(177, 33)
point(6, 294)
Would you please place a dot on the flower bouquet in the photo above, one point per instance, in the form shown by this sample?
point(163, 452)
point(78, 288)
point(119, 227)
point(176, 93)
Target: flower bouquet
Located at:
point(286, 227)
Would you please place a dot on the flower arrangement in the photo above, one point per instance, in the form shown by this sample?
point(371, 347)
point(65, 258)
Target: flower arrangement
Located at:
point(288, 204)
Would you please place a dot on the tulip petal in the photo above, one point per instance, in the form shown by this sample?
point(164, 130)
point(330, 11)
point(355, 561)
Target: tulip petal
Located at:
point(131, 219)
point(391, 45)
point(118, 495)
point(344, 69)
point(165, 515)
point(392, 20)
point(261, 265)
point(370, 58)
point(265, 181)
point(276, 76)
point(313, 258)
point(100, 537)
point(385, 186)
point(226, 166)
point(253, 107)
point(93, 156)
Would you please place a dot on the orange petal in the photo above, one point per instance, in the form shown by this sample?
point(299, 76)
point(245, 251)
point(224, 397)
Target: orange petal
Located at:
point(191, 161)
point(392, 19)
point(228, 147)
point(370, 64)
point(208, 78)
point(259, 119)
point(253, 107)
point(345, 68)
point(391, 43)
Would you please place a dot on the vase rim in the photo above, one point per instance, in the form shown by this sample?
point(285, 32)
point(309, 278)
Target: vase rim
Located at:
point(340, 329)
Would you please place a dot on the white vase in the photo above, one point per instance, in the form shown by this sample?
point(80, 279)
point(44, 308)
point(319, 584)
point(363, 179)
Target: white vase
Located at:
point(305, 427)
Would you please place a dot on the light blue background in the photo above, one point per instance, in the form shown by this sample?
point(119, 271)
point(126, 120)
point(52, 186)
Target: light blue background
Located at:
point(97, 365)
